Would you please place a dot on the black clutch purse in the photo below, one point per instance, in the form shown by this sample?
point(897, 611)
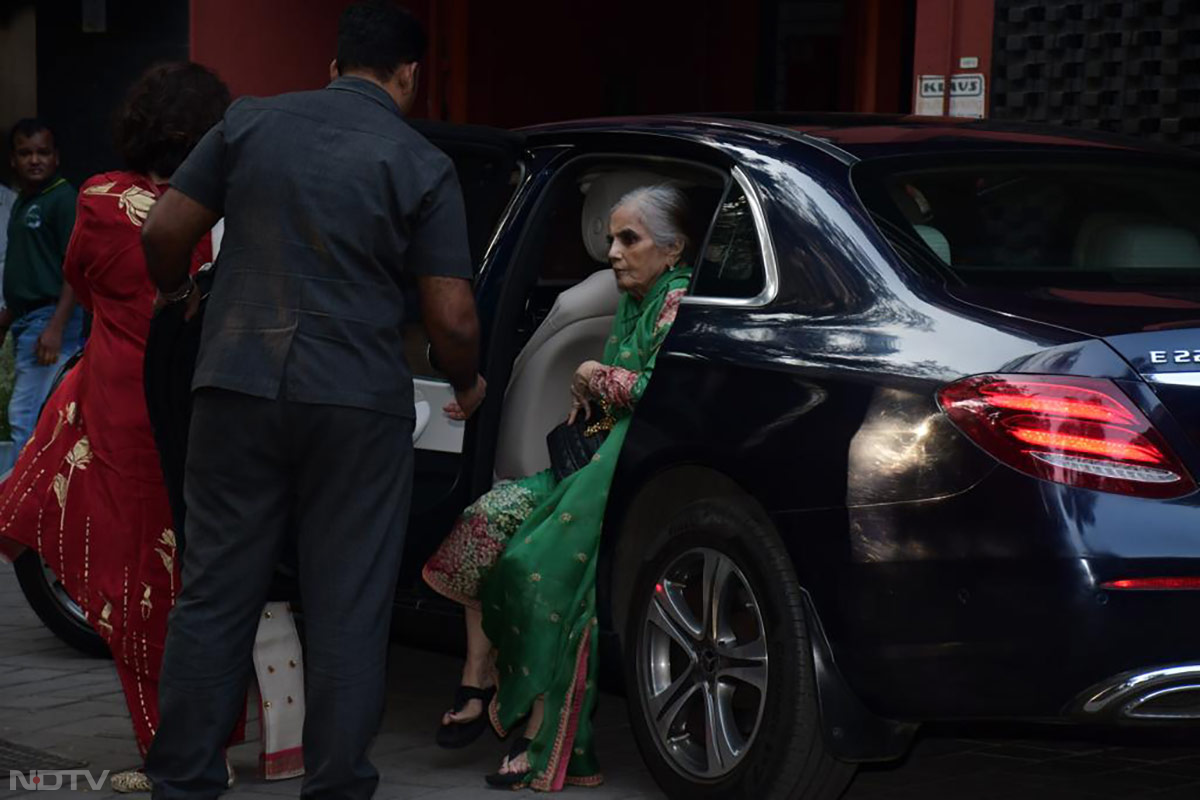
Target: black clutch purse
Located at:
point(573, 445)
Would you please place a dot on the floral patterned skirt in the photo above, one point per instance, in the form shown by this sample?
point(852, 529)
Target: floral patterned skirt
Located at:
point(480, 535)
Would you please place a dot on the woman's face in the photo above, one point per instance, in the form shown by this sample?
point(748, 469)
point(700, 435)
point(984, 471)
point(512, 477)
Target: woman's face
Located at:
point(635, 258)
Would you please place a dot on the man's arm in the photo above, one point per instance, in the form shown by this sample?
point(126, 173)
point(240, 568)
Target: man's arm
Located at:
point(174, 228)
point(48, 346)
point(49, 341)
point(439, 258)
point(448, 311)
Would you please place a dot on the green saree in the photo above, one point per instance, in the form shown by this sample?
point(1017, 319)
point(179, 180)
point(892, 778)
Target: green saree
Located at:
point(539, 597)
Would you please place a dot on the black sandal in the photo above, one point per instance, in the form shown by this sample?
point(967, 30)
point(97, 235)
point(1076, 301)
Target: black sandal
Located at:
point(511, 780)
point(453, 735)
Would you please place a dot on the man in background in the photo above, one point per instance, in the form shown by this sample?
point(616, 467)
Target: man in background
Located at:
point(40, 309)
point(303, 412)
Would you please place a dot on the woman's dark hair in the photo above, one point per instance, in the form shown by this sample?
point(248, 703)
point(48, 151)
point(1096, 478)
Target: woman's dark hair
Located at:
point(378, 36)
point(165, 113)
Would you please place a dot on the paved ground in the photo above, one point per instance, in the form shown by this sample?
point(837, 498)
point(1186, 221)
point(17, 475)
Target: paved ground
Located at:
point(57, 701)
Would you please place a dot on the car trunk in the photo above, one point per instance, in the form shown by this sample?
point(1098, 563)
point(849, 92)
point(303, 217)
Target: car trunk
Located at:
point(1156, 331)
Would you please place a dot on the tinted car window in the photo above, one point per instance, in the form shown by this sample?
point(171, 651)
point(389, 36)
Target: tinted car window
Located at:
point(731, 264)
point(1079, 223)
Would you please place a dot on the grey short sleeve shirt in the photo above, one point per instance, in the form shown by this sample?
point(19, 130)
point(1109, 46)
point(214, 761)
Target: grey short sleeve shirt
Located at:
point(329, 197)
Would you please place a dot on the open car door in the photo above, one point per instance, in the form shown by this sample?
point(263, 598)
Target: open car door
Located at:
point(489, 166)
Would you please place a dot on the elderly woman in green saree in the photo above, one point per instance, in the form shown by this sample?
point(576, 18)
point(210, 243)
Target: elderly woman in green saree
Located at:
point(522, 558)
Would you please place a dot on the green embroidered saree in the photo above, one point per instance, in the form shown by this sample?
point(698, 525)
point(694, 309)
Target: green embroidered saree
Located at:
point(539, 598)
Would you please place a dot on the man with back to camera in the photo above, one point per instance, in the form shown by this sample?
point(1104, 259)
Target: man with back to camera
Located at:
point(303, 401)
point(39, 306)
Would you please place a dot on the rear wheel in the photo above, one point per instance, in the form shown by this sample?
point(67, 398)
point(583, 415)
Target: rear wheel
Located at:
point(54, 607)
point(718, 664)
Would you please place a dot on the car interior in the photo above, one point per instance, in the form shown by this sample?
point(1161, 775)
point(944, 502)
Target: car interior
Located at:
point(559, 301)
point(1119, 226)
point(571, 305)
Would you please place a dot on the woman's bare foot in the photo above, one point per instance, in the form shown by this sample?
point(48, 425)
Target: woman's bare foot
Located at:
point(478, 674)
point(520, 764)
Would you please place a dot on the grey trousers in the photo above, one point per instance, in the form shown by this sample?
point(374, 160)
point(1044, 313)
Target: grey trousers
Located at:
point(344, 476)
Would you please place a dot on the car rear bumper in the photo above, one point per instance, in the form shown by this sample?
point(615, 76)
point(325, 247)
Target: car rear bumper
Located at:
point(1012, 640)
point(993, 604)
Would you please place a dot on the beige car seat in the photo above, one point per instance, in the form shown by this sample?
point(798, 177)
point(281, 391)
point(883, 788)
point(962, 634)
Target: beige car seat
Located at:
point(538, 396)
point(1111, 240)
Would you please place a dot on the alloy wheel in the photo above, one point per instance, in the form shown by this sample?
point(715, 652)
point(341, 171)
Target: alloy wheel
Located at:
point(703, 664)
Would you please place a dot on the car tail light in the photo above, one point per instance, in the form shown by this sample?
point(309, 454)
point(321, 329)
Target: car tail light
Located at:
point(1078, 431)
point(1150, 584)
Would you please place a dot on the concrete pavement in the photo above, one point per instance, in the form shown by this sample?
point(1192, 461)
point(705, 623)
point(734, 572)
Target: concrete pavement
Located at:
point(69, 707)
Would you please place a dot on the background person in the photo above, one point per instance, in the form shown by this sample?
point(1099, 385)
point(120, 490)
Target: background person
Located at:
point(39, 305)
point(303, 413)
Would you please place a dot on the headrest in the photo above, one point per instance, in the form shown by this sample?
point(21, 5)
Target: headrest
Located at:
point(1118, 241)
point(935, 240)
point(602, 190)
point(594, 296)
point(911, 201)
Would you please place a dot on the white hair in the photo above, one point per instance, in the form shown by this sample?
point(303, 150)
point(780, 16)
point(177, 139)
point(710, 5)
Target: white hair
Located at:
point(663, 209)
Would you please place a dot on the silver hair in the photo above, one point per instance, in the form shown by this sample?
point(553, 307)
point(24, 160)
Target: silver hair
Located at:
point(663, 209)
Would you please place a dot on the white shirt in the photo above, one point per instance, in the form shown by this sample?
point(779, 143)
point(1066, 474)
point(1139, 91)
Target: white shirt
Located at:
point(8, 198)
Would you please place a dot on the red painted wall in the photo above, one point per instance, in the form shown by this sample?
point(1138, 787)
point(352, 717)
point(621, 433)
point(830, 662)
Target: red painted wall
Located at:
point(949, 30)
point(263, 47)
point(873, 50)
point(490, 64)
point(555, 60)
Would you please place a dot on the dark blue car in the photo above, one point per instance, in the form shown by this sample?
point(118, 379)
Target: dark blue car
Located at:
point(921, 444)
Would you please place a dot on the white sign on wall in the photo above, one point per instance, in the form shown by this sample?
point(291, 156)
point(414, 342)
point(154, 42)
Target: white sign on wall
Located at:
point(967, 95)
point(930, 96)
point(967, 92)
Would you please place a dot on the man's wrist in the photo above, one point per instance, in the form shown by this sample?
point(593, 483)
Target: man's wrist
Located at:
point(180, 294)
point(465, 384)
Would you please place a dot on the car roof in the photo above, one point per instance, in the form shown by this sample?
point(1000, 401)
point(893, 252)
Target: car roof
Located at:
point(866, 136)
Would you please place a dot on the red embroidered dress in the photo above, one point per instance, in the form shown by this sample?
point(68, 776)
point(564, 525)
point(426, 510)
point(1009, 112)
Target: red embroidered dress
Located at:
point(87, 491)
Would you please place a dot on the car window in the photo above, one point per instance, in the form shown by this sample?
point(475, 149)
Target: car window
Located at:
point(731, 264)
point(1075, 223)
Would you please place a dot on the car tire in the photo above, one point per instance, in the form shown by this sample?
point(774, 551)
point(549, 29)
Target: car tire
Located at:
point(55, 608)
point(725, 706)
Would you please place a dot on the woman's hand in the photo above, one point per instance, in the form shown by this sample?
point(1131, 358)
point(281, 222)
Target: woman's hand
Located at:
point(580, 391)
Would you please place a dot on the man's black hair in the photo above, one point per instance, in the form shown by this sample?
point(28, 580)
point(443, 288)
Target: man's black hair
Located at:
point(29, 126)
point(378, 36)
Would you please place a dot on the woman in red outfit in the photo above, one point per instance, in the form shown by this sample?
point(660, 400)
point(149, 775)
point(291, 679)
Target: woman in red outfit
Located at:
point(87, 491)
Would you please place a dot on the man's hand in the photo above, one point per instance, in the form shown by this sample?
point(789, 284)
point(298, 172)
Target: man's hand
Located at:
point(465, 403)
point(448, 311)
point(191, 305)
point(6, 321)
point(49, 345)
